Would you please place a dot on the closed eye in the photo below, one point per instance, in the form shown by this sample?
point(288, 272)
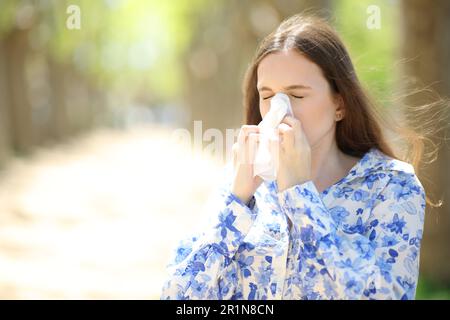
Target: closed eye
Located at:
point(297, 97)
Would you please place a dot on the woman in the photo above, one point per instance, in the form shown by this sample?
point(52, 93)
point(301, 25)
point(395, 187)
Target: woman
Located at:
point(344, 218)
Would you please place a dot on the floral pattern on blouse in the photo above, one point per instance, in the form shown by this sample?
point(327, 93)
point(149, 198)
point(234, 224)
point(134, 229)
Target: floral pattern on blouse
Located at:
point(358, 239)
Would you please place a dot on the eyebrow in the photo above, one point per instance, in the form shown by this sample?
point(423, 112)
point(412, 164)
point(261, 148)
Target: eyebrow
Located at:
point(294, 86)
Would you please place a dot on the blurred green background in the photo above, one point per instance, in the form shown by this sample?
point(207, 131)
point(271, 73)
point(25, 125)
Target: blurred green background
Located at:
point(88, 166)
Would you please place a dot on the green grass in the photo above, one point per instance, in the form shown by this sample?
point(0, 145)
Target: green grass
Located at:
point(429, 290)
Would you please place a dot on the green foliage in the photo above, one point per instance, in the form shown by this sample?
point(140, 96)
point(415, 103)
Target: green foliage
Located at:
point(428, 289)
point(7, 15)
point(130, 45)
point(372, 50)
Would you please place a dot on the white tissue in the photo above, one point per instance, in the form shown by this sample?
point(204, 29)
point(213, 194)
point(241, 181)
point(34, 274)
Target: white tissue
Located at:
point(264, 163)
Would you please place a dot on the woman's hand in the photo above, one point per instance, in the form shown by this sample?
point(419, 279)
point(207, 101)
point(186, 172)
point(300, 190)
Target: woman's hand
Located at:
point(294, 162)
point(244, 184)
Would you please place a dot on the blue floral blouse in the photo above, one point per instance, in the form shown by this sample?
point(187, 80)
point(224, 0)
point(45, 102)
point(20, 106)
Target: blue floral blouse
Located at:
point(358, 239)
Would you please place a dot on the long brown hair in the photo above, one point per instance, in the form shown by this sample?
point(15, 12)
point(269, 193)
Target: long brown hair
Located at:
point(361, 128)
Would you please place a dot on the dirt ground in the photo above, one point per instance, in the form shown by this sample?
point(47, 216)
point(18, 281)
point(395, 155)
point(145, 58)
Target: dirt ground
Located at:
point(97, 217)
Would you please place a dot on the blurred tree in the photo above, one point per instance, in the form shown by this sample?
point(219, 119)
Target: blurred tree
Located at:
point(372, 50)
point(16, 50)
point(426, 46)
point(16, 22)
point(225, 39)
point(59, 123)
point(56, 82)
point(4, 108)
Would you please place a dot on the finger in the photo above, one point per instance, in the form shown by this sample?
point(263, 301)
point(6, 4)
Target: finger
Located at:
point(274, 148)
point(287, 135)
point(234, 151)
point(294, 123)
point(245, 130)
point(244, 154)
point(251, 146)
point(253, 139)
point(283, 127)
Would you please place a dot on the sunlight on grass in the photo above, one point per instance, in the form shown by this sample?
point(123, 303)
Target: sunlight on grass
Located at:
point(98, 217)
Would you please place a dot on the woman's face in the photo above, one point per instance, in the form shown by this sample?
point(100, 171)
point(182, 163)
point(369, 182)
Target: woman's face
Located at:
point(309, 92)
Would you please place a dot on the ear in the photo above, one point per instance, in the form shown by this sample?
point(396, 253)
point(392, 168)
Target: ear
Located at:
point(339, 103)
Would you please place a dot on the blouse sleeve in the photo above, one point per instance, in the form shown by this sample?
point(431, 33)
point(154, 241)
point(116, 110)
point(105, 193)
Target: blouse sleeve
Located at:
point(377, 259)
point(203, 266)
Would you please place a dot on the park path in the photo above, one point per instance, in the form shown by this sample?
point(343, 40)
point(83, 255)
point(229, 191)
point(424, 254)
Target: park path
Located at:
point(97, 217)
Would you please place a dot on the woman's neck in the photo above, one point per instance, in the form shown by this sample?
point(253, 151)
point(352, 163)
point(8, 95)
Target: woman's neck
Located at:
point(329, 164)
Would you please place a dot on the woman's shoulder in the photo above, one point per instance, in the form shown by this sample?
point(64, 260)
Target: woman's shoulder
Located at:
point(392, 170)
point(376, 172)
point(376, 160)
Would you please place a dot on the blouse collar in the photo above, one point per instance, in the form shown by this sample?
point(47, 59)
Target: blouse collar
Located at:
point(372, 161)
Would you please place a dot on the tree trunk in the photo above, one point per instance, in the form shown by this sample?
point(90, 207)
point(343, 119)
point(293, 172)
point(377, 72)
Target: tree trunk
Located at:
point(426, 48)
point(5, 143)
point(59, 126)
point(21, 126)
